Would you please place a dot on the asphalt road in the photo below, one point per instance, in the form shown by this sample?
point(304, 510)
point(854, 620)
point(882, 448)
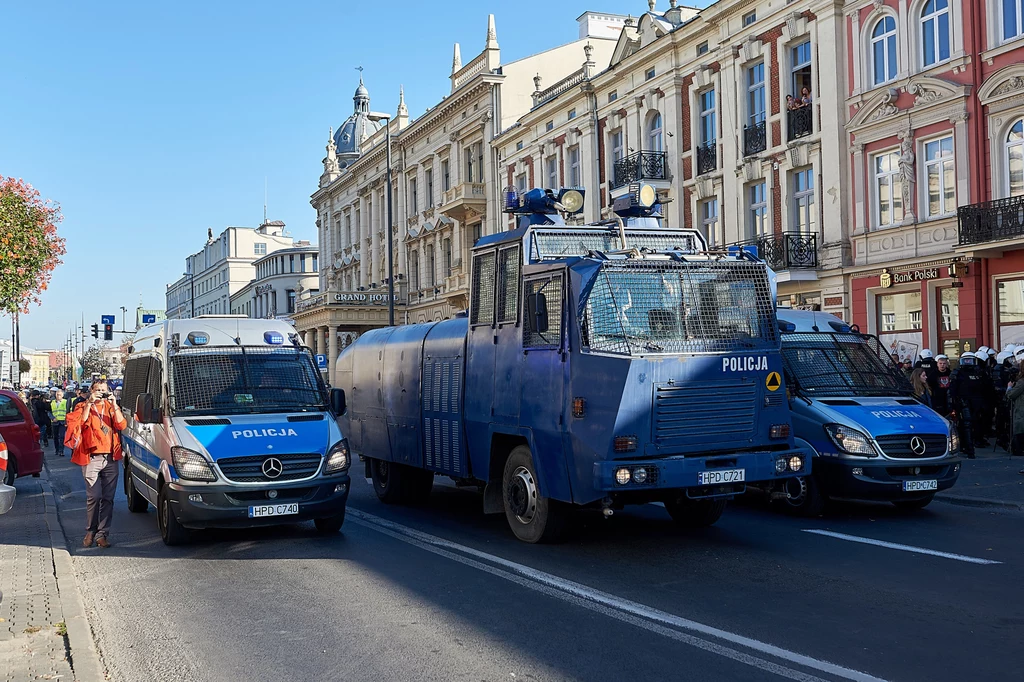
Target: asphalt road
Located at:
point(444, 593)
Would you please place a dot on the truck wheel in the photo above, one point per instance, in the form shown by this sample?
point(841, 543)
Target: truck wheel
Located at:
point(172, 532)
point(137, 504)
point(532, 517)
point(330, 524)
point(689, 513)
point(400, 484)
point(914, 505)
point(805, 497)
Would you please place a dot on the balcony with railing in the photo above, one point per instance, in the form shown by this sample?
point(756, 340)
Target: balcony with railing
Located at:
point(707, 158)
point(639, 166)
point(991, 221)
point(755, 138)
point(800, 122)
point(463, 197)
point(787, 251)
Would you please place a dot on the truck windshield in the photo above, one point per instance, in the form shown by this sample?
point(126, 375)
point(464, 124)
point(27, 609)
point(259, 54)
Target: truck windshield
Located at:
point(639, 307)
point(827, 364)
point(237, 379)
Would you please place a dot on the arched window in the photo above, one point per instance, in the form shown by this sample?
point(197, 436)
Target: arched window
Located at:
point(935, 38)
point(1015, 159)
point(883, 50)
point(655, 137)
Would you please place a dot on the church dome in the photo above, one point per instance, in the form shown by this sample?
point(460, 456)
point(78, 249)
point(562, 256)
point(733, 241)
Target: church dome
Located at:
point(356, 127)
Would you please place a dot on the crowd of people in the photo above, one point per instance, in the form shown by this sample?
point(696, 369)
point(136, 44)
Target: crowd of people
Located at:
point(50, 408)
point(983, 396)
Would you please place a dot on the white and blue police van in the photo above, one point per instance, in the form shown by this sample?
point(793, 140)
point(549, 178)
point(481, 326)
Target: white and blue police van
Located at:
point(230, 425)
point(870, 439)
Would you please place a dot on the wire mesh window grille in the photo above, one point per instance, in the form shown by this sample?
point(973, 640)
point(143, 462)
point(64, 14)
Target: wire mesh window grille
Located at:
point(136, 381)
point(645, 307)
point(482, 310)
point(237, 379)
point(840, 365)
point(508, 284)
point(552, 290)
point(555, 244)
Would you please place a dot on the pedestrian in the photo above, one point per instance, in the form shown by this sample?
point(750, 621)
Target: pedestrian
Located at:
point(1015, 396)
point(940, 391)
point(41, 415)
point(922, 390)
point(59, 408)
point(94, 428)
point(82, 396)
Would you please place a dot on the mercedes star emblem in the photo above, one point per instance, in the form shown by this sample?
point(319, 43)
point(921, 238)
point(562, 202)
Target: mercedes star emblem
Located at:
point(272, 466)
point(917, 445)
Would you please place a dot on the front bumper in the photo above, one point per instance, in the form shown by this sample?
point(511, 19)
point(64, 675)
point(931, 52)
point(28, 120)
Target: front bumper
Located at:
point(227, 506)
point(882, 479)
point(679, 472)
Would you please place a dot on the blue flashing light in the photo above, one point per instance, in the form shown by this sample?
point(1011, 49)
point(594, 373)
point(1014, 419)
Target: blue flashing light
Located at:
point(273, 338)
point(511, 199)
point(786, 326)
point(198, 339)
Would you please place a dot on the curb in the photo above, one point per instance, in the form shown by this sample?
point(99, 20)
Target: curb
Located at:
point(979, 502)
point(84, 657)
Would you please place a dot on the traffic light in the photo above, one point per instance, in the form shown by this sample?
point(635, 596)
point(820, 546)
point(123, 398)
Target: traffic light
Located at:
point(108, 332)
point(95, 331)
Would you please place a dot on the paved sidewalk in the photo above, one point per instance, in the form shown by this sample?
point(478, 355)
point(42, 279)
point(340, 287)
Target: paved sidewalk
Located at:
point(991, 480)
point(43, 631)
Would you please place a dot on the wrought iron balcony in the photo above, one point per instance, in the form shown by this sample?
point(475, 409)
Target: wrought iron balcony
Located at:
point(707, 158)
point(991, 221)
point(755, 138)
point(787, 251)
point(639, 166)
point(800, 121)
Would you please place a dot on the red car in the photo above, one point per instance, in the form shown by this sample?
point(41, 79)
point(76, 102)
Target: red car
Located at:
point(24, 455)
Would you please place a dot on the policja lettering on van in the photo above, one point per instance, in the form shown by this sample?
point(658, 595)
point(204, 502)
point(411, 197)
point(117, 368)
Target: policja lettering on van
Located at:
point(260, 433)
point(748, 364)
point(894, 414)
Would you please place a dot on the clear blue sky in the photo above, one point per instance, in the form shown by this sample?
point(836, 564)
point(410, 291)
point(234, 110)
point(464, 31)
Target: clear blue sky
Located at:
point(150, 122)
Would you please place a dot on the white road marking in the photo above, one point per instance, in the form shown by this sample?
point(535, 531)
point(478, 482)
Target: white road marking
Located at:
point(904, 548)
point(634, 613)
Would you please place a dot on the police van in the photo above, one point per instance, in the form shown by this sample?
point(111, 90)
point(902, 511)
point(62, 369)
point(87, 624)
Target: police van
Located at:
point(870, 439)
point(231, 425)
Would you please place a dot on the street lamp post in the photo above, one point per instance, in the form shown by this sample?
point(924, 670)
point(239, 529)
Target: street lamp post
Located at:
point(375, 116)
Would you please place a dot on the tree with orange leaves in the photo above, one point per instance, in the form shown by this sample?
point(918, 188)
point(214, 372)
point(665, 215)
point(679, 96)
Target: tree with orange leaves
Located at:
point(30, 248)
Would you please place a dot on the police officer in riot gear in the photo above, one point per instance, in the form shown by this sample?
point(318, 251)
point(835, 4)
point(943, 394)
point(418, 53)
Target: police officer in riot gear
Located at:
point(970, 392)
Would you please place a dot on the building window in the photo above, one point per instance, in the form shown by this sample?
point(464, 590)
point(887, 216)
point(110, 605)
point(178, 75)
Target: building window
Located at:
point(1011, 311)
point(1013, 18)
point(291, 300)
point(414, 270)
point(709, 221)
point(259, 248)
point(428, 176)
point(315, 268)
point(575, 180)
point(413, 196)
point(302, 262)
point(550, 125)
point(757, 209)
point(551, 172)
point(650, 74)
point(446, 245)
point(616, 145)
point(702, 48)
point(883, 50)
point(803, 201)
point(935, 32)
point(521, 183)
point(939, 177)
point(802, 69)
point(655, 136)
point(469, 164)
point(571, 115)
point(899, 314)
point(888, 189)
point(431, 274)
point(446, 179)
point(612, 96)
point(755, 94)
point(1015, 160)
point(348, 229)
point(749, 18)
point(291, 263)
point(708, 127)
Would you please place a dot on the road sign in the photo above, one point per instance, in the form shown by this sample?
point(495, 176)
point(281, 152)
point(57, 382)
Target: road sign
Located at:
point(106, 319)
point(321, 361)
point(149, 319)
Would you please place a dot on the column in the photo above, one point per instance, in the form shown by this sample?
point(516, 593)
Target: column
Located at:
point(361, 233)
point(332, 352)
point(859, 190)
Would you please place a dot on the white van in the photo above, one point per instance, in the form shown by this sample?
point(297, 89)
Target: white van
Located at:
point(230, 425)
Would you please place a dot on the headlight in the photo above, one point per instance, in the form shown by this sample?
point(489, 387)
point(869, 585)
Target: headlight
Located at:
point(796, 463)
point(190, 465)
point(953, 442)
point(337, 458)
point(850, 440)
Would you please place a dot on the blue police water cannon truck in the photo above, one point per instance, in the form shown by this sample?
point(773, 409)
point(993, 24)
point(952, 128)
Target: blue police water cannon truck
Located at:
point(598, 366)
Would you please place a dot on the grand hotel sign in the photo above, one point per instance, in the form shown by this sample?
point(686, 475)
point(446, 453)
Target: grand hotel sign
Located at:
point(354, 298)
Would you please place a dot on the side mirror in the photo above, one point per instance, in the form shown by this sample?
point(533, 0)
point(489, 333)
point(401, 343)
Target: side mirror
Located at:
point(145, 413)
point(338, 405)
point(537, 312)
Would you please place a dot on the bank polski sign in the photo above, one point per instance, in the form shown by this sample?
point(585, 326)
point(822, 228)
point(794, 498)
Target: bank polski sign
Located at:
point(888, 279)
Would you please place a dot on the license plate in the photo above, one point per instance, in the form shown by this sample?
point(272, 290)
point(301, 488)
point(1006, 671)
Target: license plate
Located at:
point(273, 510)
point(920, 485)
point(722, 476)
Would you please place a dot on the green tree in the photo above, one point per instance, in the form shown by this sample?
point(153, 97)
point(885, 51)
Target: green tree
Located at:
point(25, 365)
point(93, 361)
point(30, 248)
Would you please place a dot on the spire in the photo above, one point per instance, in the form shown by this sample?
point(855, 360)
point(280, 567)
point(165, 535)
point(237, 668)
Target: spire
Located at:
point(331, 170)
point(402, 110)
point(492, 34)
point(456, 60)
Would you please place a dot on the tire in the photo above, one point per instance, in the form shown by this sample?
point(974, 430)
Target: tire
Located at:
point(531, 516)
point(137, 504)
point(172, 532)
point(810, 502)
point(914, 505)
point(689, 513)
point(330, 524)
point(400, 484)
point(12, 469)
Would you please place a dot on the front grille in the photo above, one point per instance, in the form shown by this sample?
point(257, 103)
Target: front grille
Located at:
point(250, 469)
point(898, 446)
point(699, 413)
